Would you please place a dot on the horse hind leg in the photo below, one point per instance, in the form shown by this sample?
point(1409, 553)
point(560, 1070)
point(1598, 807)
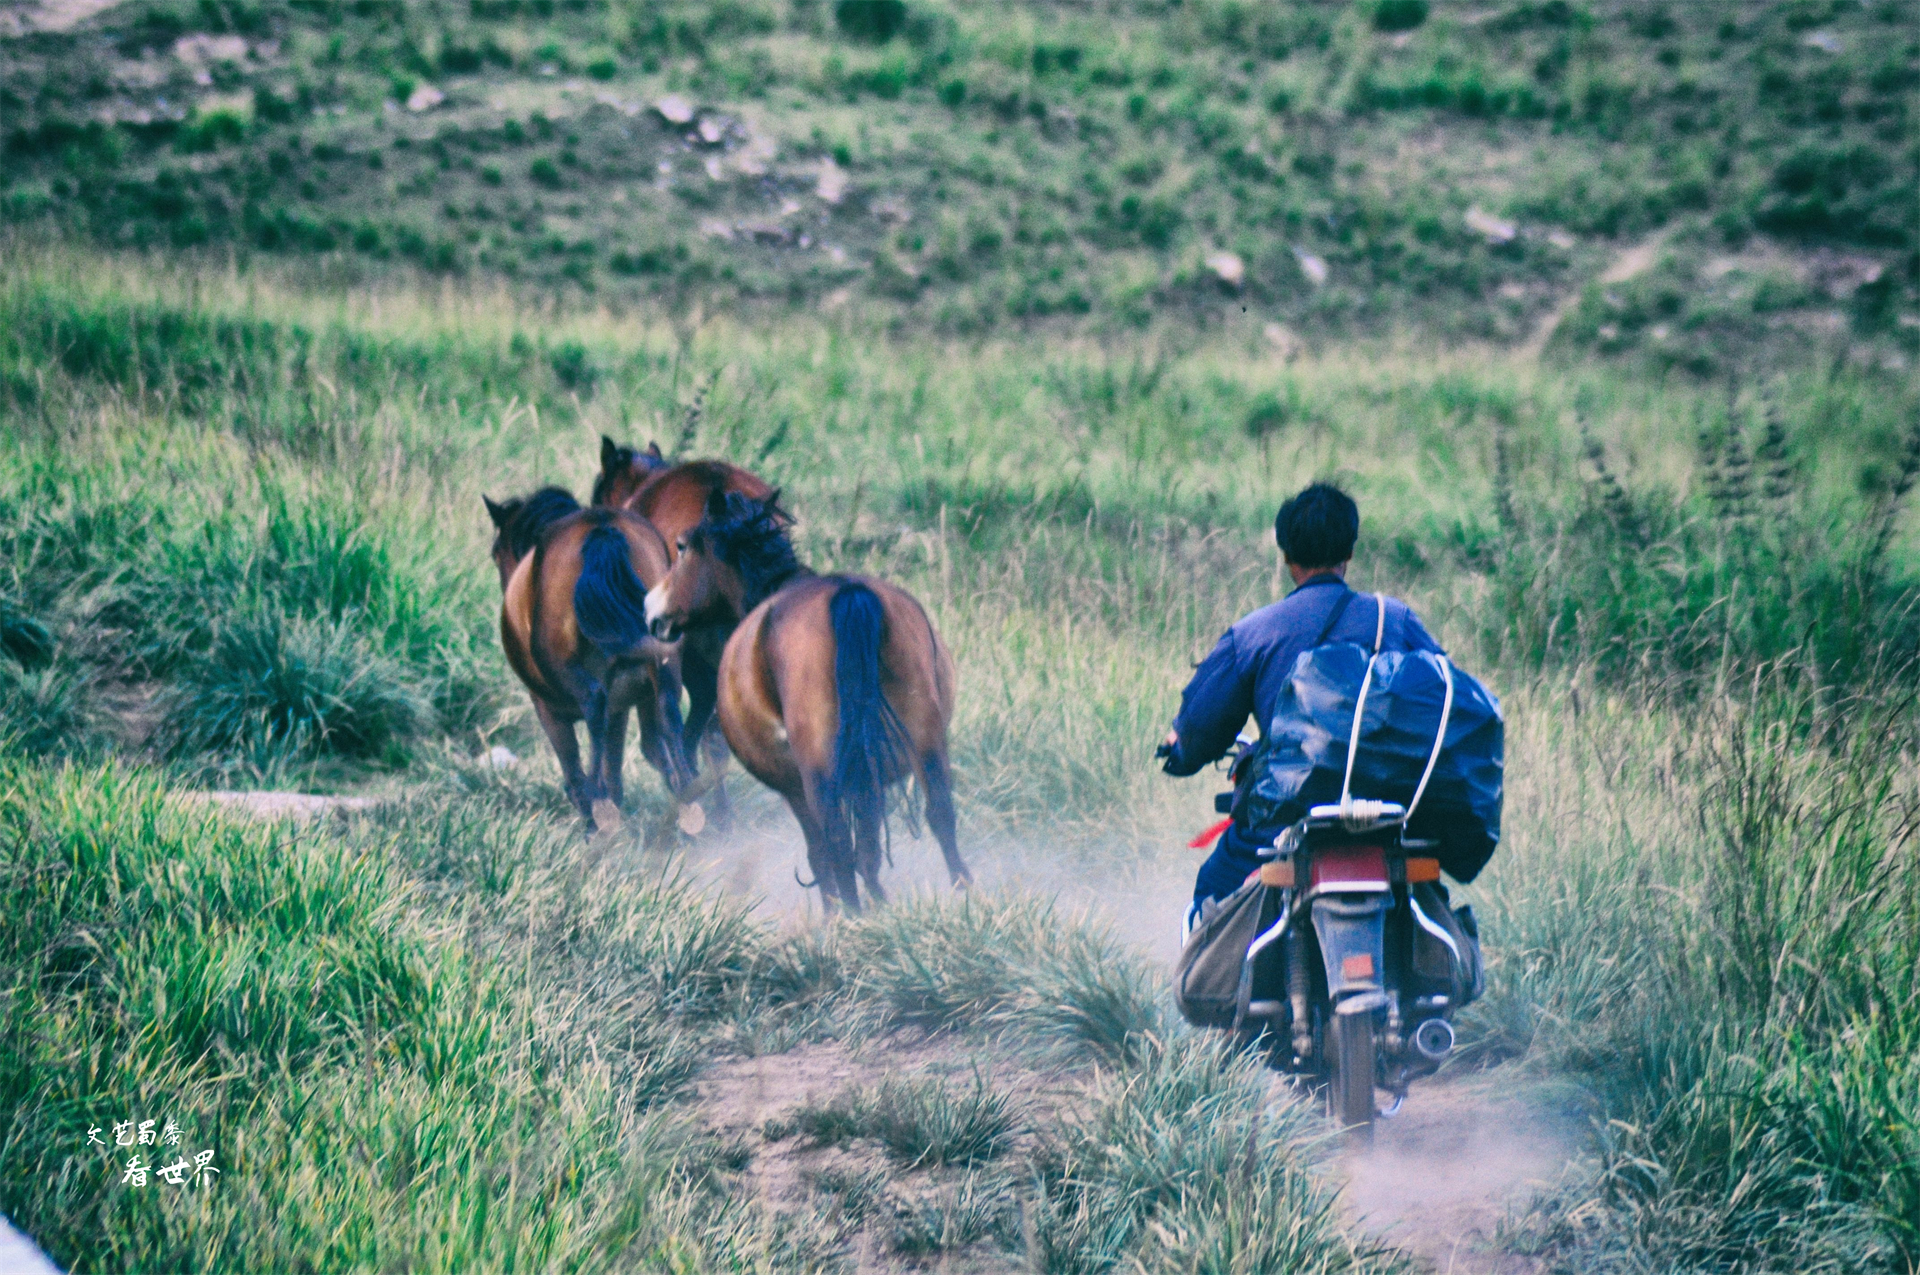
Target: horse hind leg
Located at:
point(662, 735)
point(940, 817)
point(868, 830)
point(566, 750)
point(613, 763)
point(819, 855)
point(837, 851)
point(599, 809)
point(704, 742)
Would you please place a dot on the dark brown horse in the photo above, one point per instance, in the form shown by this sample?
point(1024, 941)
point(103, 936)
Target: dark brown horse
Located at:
point(831, 687)
point(572, 620)
point(674, 499)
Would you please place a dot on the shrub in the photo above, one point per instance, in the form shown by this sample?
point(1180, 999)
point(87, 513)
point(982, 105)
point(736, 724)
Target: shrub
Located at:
point(272, 689)
point(873, 20)
point(1398, 15)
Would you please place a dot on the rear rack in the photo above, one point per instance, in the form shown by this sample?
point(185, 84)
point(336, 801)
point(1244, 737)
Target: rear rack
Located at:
point(1357, 816)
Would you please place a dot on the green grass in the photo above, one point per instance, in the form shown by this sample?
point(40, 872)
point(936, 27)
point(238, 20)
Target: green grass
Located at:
point(428, 1040)
point(920, 1123)
point(1723, 941)
point(1187, 1164)
point(244, 544)
point(376, 1094)
point(1010, 165)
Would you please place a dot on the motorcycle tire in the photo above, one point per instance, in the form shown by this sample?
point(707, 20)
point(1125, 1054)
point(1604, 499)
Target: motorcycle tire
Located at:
point(1350, 1095)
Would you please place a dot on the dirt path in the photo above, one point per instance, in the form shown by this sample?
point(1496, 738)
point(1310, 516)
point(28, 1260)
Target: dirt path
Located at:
point(279, 805)
point(1636, 259)
point(1461, 1157)
point(736, 1098)
point(1464, 1154)
point(48, 15)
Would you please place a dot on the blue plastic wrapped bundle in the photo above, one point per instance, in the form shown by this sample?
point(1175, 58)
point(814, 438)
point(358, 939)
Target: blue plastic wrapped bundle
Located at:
point(1305, 750)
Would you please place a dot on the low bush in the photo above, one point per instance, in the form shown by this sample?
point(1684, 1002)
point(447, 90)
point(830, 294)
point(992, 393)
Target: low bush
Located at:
point(271, 691)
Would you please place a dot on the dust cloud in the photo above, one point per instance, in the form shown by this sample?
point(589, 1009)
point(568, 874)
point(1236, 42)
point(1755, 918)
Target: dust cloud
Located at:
point(1465, 1151)
point(1140, 896)
point(1463, 1154)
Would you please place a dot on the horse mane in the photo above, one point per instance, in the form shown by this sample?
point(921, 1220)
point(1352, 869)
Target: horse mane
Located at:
point(536, 513)
point(752, 539)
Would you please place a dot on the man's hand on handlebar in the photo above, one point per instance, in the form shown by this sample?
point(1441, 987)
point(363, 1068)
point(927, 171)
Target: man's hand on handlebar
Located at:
point(1167, 746)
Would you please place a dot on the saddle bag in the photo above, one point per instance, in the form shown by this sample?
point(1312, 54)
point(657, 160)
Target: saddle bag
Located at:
point(1207, 981)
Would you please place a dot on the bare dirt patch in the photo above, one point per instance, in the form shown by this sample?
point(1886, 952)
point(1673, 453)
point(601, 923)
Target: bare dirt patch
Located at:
point(279, 805)
point(1635, 259)
point(743, 1100)
point(1463, 1156)
point(48, 15)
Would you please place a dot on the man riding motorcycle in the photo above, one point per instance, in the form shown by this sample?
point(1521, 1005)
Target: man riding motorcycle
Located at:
point(1249, 666)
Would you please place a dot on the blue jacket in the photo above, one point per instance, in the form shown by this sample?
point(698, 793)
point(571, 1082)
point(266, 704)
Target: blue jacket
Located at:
point(1244, 675)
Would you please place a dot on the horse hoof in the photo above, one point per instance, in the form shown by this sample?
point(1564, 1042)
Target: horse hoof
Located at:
point(606, 815)
point(692, 818)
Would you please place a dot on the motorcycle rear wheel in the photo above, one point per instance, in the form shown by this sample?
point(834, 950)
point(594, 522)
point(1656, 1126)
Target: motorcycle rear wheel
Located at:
point(1350, 1095)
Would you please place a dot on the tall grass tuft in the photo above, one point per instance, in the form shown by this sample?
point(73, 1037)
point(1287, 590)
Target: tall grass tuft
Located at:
point(1187, 1163)
point(1014, 962)
point(1728, 946)
point(928, 1123)
point(271, 691)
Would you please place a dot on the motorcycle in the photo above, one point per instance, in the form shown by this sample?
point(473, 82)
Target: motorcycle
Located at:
point(1355, 960)
point(1358, 962)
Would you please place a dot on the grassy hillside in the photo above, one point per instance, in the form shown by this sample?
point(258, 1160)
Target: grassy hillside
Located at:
point(311, 473)
point(1469, 171)
point(244, 544)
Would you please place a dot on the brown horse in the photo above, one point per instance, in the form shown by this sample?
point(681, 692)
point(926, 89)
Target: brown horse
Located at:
point(572, 620)
point(674, 499)
point(831, 687)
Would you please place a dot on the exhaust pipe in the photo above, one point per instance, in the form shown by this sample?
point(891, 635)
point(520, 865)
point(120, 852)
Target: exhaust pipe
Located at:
point(1433, 1039)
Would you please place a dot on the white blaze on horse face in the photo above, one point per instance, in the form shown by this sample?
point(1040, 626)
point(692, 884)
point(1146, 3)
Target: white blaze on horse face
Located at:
point(656, 602)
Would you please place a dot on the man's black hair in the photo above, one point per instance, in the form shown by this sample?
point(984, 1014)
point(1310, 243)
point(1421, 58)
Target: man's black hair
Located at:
point(1317, 528)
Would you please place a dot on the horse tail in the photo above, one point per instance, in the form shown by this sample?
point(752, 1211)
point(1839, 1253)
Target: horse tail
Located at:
point(872, 743)
point(609, 600)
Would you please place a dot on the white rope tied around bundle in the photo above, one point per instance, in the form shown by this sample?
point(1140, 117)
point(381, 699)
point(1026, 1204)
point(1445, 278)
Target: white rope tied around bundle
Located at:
point(1360, 704)
point(1359, 713)
point(1439, 740)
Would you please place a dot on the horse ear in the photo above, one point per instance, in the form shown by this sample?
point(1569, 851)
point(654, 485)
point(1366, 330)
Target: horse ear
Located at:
point(717, 503)
point(496, 512)
point(653, 450)
point(609, 455)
